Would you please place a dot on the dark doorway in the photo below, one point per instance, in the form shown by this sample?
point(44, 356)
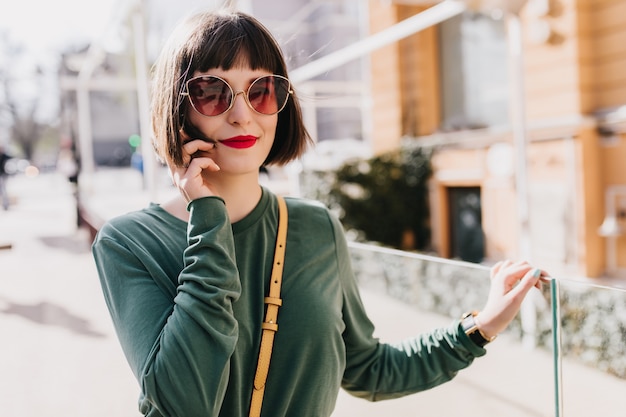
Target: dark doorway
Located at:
point(467, 241)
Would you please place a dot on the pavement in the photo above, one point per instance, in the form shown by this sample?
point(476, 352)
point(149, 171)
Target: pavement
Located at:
point(60, 356)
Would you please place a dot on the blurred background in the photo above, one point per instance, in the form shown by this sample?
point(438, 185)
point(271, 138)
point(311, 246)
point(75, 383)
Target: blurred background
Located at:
point(449, 135)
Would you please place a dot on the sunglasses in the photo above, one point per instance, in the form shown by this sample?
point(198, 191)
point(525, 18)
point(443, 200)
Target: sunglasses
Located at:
point(211, 96)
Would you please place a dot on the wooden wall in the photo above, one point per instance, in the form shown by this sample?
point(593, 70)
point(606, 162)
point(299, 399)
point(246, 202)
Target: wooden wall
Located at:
point(552, 73)
point(580, 70)
point(421, 110)
point(603, 37)
point(405, 80)
point(386, 88)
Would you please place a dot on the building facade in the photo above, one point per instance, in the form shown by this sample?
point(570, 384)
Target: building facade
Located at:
point(560, 199)
point(458, 87)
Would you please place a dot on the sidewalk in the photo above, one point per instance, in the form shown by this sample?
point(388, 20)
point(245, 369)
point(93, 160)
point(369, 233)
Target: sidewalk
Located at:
point(61, 357)
point(510, 381)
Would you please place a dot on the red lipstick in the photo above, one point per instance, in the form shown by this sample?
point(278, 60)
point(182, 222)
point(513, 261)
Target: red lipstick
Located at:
point(239, 142)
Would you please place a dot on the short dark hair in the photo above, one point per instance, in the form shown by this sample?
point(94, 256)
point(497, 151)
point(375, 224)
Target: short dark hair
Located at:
point(221, 39)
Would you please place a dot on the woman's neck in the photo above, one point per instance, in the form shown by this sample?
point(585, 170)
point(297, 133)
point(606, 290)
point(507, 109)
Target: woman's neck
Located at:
point(240, 195)
point(240, 199)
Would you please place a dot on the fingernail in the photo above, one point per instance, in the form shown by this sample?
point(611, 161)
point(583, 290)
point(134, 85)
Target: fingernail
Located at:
point(537, 273)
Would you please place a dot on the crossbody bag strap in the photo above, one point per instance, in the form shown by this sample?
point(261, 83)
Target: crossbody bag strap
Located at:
point(273, 302)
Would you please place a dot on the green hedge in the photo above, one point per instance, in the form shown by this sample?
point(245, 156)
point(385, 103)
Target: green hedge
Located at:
point(386, 197)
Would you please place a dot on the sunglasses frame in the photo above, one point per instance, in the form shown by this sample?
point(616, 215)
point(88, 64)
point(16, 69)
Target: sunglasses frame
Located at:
point(234, 94)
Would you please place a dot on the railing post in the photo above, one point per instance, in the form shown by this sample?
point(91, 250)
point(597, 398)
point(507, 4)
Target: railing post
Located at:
point(556, 346)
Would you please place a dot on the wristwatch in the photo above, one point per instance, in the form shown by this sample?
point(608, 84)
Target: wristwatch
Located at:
point(468, 323)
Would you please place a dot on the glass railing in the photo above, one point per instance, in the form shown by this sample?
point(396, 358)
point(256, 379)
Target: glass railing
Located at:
point(563, 355)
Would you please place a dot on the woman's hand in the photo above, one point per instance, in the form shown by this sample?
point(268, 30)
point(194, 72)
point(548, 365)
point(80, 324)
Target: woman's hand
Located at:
point(510, 282)
point(188, 177)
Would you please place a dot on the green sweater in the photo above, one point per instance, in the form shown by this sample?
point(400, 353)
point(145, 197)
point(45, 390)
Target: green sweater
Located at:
point(186, 300)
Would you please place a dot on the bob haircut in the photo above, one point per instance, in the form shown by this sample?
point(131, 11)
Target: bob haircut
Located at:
point(223, 40)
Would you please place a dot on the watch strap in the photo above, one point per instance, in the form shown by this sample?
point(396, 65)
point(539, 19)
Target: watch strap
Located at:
point(468, 324)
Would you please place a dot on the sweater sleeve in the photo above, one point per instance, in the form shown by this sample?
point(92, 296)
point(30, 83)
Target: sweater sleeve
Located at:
point(180, 348)
point(377, 371)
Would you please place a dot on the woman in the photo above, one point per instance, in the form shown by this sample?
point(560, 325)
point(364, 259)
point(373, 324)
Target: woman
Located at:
point(185, 281)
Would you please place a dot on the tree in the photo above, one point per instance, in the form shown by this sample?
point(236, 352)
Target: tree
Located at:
point(22, 89)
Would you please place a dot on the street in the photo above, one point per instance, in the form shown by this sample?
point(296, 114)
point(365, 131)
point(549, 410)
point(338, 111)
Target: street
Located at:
point(60, 356)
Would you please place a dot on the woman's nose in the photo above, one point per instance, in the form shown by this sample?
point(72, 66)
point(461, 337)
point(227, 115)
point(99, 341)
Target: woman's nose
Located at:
point(241, 110)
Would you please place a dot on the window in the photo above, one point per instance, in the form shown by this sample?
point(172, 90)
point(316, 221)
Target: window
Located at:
point(474, 72)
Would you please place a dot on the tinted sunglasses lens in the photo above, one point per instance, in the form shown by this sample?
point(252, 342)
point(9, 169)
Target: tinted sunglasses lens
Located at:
point(210, 96)
point(268, 95)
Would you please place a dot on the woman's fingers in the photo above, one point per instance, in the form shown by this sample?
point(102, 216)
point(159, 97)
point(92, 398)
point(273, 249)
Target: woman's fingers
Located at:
point(190, 181)
point(525, 283)
point(496, 268)
point(196, 148)
point(507, 274)
point(196, 160)
point(199, 164)
point(510, 283)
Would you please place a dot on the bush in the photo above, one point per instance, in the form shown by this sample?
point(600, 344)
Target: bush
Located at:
point(386, 197)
